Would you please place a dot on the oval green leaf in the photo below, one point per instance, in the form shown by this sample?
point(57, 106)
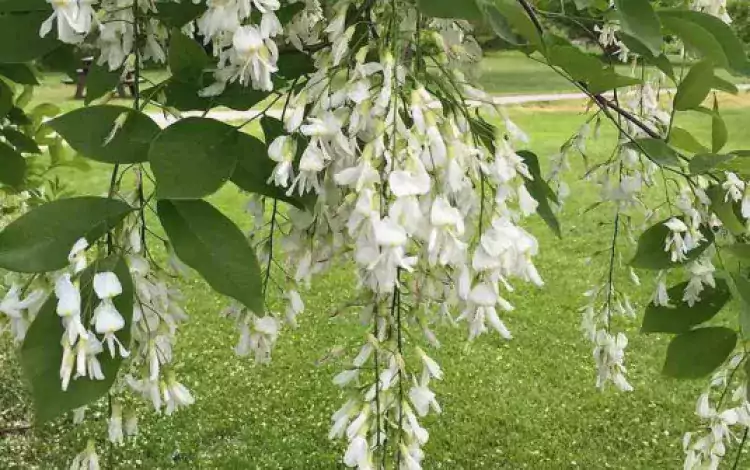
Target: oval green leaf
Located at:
point(93, 132)
point(211, 244)
point(40, 240)
point(683, 317)
point(193, 158)
point(698, 353)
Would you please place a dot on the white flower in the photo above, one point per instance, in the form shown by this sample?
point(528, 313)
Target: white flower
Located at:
point(431, 367)
point(106, 285)
point(255, 57)
point(74, 19)
point(346, 377)
point(77, 256)
point(294, 308)
point(282, 150)
point(108, 321)
point(526, 202)
point(176, 396)
point(423, 399)
point(69, 297)
point(734, 187)
point(357, 454)
point(86, 460)
point(115, 424)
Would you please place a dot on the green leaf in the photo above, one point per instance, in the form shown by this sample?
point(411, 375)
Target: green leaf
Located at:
point(698, 353)
point(517, 17)
point(99, 81)
point(89, 131)
point(740, 250)
point(638, 19)
point(683, 139)
point(286, 13)
point(656, 150)
point(40, 240)
point(177, 15)
point(184, 96)
point(725, 86)
point(651, 254)
point(187, 58)
point(609, 80)
point(579, 65)
point(19, 37)
point(499, 24)
point(12, 167)
point(193, 158)
point(7, 6)
point(465, 10)
point(6, 99)
point(705, 162)
point(695, 36)
point(733, 50)
point(20, 141)
point(725, 210)
point(295, 64)
point(41, 353)
point(695, 87)
point(719, 132)
point(540, 190)
point(211, 244)
point(22, 74)
point(683, 317)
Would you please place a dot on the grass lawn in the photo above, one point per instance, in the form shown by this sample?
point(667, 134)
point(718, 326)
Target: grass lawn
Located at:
point(528, 403)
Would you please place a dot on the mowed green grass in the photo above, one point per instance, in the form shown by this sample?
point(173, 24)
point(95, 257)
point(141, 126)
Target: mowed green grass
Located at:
point(527, 403)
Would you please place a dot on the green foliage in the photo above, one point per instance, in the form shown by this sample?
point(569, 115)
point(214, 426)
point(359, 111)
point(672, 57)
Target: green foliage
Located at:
point(187, 58)
point(177, 15)
point(540, 190)
point(682, 317)
point(19, 38)
point(22, 142)
point(651, 254)
point(519, 20)
point(695, 87)
point(657, 151)
point(107, 133)
point(638, 20)
point(211, 244)
point(22, 74)
point(719, 132)
point(100, 81)
point(704, 162)
point(13, 166)
point(467, 10)
point(684, 140)
point(41, 354)
point(699, 352)
point(709, 36)
point(40, 240)
point(193, 158)
point(726, 210)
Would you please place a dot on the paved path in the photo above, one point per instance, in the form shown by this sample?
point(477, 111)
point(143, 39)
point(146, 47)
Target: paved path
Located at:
point(234, 116)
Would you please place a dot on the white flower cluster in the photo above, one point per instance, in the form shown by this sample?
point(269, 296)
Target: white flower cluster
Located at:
point(708, 448)
point(113, 24)
point(431, 214)
point(247, 52)
point(609, 40)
